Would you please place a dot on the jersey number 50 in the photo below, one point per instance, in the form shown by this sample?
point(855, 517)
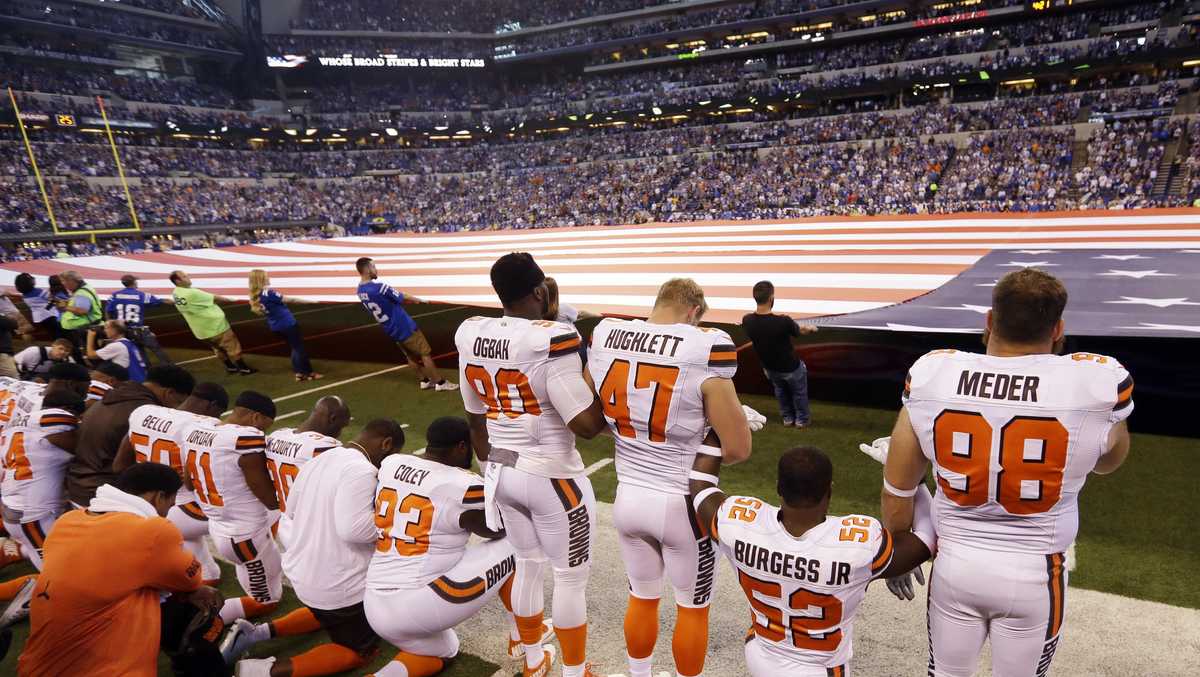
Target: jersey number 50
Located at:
point(1033, 455)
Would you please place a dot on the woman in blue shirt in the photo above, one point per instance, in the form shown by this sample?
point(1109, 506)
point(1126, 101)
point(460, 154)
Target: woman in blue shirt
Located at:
point(267, 301)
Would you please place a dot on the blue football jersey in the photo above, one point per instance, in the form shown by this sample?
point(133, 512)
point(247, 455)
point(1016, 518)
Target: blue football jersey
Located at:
point(129, 306)
point(387, 306)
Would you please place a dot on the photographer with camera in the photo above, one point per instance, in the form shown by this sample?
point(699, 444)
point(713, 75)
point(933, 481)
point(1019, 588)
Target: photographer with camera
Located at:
point(35, 361)
point(79, 312)
point(118, 349)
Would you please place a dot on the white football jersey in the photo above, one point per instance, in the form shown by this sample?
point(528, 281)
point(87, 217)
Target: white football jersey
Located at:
point(1012, 440)
point(35, 469)
point(803, 592)
point(418, 504)
point(649, 377)
point(287, 451)
point(508, 368)
point(157, 434)
point(24, 398)
point(211, 452)
point(10, 388)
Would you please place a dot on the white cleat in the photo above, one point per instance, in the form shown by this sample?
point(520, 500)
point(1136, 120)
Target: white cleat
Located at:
point(18, 609)
point(254, 667)
point(239, 638)
point(543, 669)
point(445, 386)
point(426, 385)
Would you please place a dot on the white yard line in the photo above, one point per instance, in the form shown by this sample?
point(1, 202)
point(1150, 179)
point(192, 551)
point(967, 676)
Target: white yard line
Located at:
point(287, 415)
point(361, 326)
point(597, 465)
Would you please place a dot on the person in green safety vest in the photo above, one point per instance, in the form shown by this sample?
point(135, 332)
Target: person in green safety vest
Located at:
point(80, 311)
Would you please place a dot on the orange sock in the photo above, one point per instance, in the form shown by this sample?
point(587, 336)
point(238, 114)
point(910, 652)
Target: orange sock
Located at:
point(418, 666)
point(690, 643)
point(641, 626)
point(298, 622)
point(326, 659)
point(530, 628)
point(574, 644)
point(253, 608)
point(9, 589)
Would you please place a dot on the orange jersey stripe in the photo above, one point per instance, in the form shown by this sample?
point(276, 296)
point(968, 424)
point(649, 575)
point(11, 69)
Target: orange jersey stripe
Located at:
point(884, 556)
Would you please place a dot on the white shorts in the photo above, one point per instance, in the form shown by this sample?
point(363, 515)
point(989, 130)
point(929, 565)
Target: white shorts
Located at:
point(657, 532)
point(762, 661)
point(32, 536)
point(258, 564)
point(193, 524)
point(548, 518)
point(1016, 599)
point(422, 620)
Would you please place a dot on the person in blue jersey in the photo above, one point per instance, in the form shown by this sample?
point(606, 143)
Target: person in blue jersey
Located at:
point(119, 349)
point(386, 305)
point(129, 306)
point(42, 311)
point(266, 301)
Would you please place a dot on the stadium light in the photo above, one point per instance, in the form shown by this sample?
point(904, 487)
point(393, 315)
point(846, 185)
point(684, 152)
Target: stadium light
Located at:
point(289, 132)
point(441, 128)
point(391, 132)
point(310, 131)
point(224, 128)
point(656, 110)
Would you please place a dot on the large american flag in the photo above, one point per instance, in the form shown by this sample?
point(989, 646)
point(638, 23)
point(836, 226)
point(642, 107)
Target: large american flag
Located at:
point(820, 266)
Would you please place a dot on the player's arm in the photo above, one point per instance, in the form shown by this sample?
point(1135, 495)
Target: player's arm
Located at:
point(571, 395)
point(475, 522)
point(902, 475)
point(703, 491)
point(908, 551)
point(724, 413)
point(354, 508)
point(480, 442)
point(258, 478)
point(172, 568)
point(66, 440)
point(125, 456)
point(1118, 449)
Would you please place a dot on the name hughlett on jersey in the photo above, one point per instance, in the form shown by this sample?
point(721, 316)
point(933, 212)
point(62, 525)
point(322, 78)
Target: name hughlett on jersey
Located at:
point(643, 342)
point(1011, 387)
point(789, 565)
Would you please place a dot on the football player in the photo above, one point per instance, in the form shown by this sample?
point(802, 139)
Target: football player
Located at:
point(803, 571)
point(1012, 435)
point(526, 400)
point(104, 376)
point(288, 449)
point(156, 434)
point(227, 465)
point(329, 530)
point(663, 382)
point(386, 305)
point(426, 508)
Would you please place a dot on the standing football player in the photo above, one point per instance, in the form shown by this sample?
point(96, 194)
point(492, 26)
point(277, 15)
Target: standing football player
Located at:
point(227, 465)
point(386, 305)
point(1012, 435)
point(663, 382)
point(157, 435)
point(526, 400)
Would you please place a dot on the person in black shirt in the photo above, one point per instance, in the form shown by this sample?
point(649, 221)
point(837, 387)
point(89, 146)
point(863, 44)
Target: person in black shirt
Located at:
point(772, 335)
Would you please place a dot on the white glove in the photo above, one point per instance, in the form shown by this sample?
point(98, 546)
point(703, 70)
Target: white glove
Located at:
point(877, 450)
point(902, 586)
point(755, 420)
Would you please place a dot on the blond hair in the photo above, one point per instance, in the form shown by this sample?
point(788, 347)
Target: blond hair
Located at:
point(258, 283)
point(682, 292)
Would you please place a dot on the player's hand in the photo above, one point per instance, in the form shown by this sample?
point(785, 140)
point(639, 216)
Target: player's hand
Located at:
point(877, 450)
point(755, 420)
point(902, 586)
point(212, 600)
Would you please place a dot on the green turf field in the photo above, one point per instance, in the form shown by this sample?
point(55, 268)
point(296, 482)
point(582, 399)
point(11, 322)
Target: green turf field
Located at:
point(1133, 539)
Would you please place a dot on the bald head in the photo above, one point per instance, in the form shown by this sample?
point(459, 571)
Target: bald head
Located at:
point(330, 415)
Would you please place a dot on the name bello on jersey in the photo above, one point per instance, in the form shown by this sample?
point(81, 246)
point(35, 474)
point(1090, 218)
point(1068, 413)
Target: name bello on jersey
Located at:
point(157, 423)
point(788, 565)
point(490, 348)
point(1012, 387)
point(643, 342)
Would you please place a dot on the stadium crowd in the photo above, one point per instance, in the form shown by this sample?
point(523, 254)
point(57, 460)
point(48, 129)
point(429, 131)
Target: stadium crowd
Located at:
point(108, 21)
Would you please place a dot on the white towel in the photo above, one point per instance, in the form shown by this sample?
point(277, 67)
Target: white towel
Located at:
point(111, 499)
point(491, 480)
